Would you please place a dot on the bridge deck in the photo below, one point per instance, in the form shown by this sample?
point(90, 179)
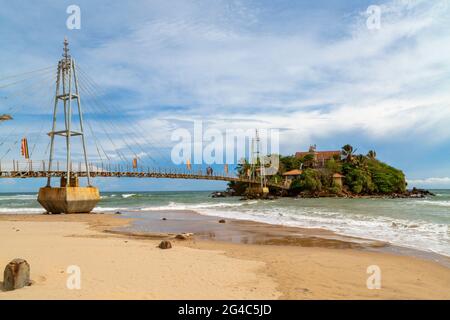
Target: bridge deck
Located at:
point(25, 174)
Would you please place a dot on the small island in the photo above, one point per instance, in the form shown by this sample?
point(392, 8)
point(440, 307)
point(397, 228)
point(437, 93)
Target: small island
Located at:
point(337, 173)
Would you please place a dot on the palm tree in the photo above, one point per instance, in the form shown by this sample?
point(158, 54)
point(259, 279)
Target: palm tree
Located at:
point(372, 154)
point(361, 161)
point(348, 152)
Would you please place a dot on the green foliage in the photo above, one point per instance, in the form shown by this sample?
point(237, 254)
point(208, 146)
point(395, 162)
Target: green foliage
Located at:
point(348, 152)
point(237, 187)
point(364, 175)
point(335, 189)
point(386, 178)
point(308, 161)
point(370, 176)
point(358, 179)
point(288, 163)
point(333, 166)
point(372, 154)
point(309, 180)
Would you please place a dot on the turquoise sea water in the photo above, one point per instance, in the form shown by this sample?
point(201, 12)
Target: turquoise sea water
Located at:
point(417, 223)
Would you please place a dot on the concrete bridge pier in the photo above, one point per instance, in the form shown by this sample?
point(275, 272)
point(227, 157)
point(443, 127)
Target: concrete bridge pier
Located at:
point(69, 199)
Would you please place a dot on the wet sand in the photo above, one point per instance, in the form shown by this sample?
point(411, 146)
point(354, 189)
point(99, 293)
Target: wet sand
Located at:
point(251, 232)
point(120, 260)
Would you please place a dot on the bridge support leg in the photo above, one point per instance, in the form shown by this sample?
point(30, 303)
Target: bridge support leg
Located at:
point(68, 199)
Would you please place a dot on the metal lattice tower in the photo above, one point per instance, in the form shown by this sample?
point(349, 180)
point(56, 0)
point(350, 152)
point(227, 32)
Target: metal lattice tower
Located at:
point(67, 91)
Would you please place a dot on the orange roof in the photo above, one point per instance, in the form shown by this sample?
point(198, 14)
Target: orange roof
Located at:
point(320, 154)
point(295, 172)
point(338, 175)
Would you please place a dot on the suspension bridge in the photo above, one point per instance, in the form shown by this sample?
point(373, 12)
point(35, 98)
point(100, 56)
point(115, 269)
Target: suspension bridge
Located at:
point(130, 150)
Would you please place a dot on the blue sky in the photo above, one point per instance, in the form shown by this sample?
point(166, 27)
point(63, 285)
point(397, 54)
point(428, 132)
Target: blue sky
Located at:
point(310, 68)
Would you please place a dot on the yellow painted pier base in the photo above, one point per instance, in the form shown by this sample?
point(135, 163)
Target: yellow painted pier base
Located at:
point(68, 199)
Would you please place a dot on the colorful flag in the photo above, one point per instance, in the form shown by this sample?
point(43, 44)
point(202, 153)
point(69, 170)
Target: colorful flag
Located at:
point(135, 163)
point(24, 148)
point(188, 164)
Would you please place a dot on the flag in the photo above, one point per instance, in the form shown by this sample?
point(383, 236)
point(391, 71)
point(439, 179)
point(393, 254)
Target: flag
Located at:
point(225, 168)
point(188, 164)
point(24, 148)
point(135, 163)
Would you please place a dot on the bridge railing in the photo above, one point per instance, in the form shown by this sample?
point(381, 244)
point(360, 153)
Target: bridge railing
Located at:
point(103, 168)
point(39, 169)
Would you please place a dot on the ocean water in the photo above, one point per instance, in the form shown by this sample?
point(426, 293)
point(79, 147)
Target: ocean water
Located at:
point(415, 223)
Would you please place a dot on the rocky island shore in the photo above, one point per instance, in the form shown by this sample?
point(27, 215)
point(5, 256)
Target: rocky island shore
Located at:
point(320, 174)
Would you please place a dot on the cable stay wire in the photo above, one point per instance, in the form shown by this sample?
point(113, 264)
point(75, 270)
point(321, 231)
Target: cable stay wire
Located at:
point(86, 102)
point(98, 93)
point(103, 111)
point(26, 73)
point(16, 141)
point(41, 130)
point(94, 87)
point(2, 86)
point(40, 100)
point(14, 144)
point(16, 128)
point(43, 83)
point(97, 144)
point(113, 126)
point(115, 148)
point(22, 91)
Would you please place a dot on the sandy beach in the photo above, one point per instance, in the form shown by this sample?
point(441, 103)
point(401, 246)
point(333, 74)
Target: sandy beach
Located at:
point(235, 260)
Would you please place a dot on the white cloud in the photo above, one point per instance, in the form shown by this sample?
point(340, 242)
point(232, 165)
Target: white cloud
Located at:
point(221, 62)
point(443, 182)
point(382, 82)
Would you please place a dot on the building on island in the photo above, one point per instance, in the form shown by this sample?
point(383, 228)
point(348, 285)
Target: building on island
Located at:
point(289, 176)
point(319, 158)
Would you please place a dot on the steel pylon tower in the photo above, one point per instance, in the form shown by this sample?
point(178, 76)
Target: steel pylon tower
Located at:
point(67, 90)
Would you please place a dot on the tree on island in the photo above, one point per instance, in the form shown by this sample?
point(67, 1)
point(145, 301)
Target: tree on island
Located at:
point(348, 152)
point(372, 154)
point(360, 174)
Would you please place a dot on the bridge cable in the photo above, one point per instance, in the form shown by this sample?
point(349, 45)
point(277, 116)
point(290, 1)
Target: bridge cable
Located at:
point(93, 86)
point(39, 84)
point(17, 140)
point(17, 106)
point(116, 149)
point(112, 125)
point(26, 73)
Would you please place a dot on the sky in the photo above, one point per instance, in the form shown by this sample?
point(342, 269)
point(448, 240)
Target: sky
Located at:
point(314, 71)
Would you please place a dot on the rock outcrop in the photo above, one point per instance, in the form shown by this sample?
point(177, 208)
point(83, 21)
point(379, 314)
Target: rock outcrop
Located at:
point(16, 275)
point(165, 245)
